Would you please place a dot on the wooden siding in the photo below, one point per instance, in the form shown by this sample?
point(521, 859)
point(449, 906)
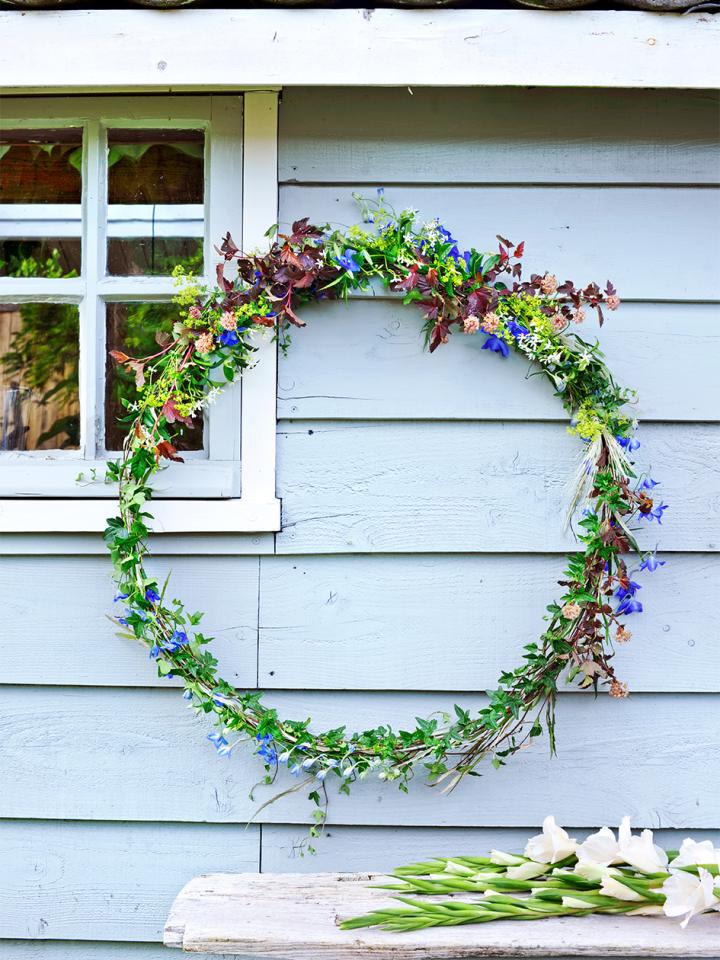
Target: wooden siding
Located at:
point(418, 492)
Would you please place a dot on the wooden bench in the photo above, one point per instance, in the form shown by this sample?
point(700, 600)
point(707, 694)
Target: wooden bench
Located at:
point(294, 916)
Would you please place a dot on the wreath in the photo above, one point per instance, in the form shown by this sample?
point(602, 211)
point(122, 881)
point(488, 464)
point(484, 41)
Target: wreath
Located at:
point(214, 340)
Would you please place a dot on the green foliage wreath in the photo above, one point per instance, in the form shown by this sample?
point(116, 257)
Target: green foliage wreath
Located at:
point(477, 294)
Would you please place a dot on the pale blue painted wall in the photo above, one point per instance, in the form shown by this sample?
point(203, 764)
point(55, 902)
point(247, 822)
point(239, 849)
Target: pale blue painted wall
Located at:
point(420, 494)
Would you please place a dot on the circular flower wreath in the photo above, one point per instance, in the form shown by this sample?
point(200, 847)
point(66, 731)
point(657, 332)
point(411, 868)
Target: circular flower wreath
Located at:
point(213, 340)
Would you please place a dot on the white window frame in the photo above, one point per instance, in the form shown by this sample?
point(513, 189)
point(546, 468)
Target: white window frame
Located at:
point(237, 479)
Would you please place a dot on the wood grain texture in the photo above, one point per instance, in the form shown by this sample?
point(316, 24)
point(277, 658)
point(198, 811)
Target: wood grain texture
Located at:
point(366, 360)
point(349, 622)
point(367, 849)
point(107, 881)
point(111, 754)
point(196, 545)
point(116, 760)
point(454, 487)
point(590, 48)
point(230, 912)
point(79, 950)
point(362, 622)
point(79, 590)
point(630, 234)
point(502, 135)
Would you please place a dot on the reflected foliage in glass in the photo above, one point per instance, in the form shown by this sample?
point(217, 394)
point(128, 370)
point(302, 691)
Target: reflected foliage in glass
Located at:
point(53, 258)
point(134, 328)
point(39, 356)
point(41, 166)
point(155, 197)
point(155, 166)
point(154, 256)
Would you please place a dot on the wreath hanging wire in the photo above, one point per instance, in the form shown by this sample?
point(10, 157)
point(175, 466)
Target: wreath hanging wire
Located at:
point(214, 340)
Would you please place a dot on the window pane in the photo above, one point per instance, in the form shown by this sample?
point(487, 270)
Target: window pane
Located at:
point(153, 256)
point(41, 166)
point(155, 198)
point(39, 399)
point(28, 257)
point(131, 328)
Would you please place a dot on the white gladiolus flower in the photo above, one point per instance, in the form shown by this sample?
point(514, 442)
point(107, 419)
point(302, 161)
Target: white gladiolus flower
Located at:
point(640, 852)
point(505, 859)
point(592, 871)
point(687, 895)
point(601, 849)
point(693, 853)
point(552, 845)
point(574, 904)
point(459, 869)
point(610, 887)
point(527, 870)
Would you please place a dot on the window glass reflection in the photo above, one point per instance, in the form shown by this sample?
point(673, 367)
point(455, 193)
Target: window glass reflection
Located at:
point(39, 398)
point(41, 166)
point(132, 328)
point(154, 256)
point(155, 201)
point(34, 257)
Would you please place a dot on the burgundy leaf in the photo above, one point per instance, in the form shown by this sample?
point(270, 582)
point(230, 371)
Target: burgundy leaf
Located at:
point(168, 451)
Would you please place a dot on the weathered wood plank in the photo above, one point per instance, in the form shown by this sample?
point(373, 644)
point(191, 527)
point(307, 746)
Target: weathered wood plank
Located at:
point(367, 849)
point(361, 622)
point(79, 950)
point(78, 591)
point(590, 48)
point(329, 611)
point(112, 754)
point(630, 234)
point(230, 912)
point(367, 360)
point(502, 135)
point(454, 487)
point(108, 881)
point(90, 544)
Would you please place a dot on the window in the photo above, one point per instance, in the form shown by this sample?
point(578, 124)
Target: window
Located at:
point(100, 199)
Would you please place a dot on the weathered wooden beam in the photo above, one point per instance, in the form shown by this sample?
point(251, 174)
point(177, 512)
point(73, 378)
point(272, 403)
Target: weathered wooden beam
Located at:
point(200, 49)
point(296, 917)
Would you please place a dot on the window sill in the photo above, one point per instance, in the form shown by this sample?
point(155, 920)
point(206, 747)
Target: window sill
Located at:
point(169, 516)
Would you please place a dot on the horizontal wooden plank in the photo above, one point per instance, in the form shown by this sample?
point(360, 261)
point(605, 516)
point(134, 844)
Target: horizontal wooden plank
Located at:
point(112, 754)
point(365, 622)
point(373, 849)
point(225, 912)
point(388, 48)
point(108, 881)
point(79, 950)
point(241, 515)
point(366, 360)
point(630, 234)
point(503, 135)
point(170, 544)
point(462, 487)
point(79, 591)
point(324, 624)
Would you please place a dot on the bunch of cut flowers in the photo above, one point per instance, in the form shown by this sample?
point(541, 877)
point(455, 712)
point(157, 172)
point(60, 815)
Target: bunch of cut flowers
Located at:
point(556, 877)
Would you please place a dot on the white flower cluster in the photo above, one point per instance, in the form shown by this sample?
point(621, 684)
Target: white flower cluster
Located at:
point(686, 892)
